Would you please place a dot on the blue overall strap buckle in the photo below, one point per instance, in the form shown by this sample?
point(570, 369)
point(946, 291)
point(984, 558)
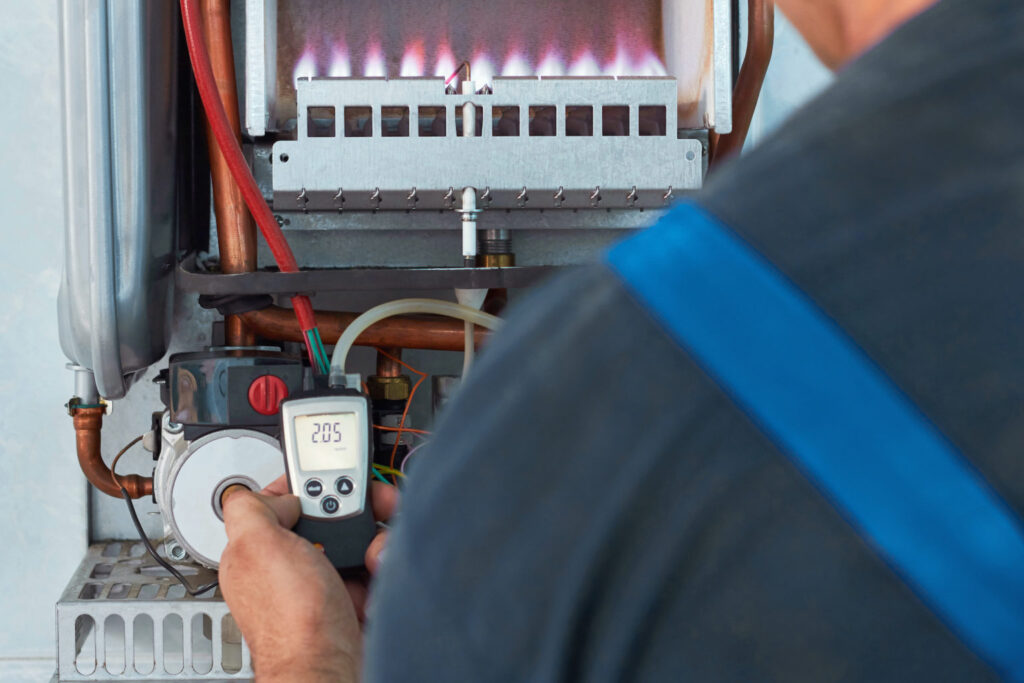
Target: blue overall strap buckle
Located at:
point(807, 385)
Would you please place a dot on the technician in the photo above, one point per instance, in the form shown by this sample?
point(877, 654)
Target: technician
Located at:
point(776, 437)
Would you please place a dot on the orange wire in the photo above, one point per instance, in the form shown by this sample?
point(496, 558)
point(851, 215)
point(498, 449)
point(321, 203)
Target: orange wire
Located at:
point(401, 423)
point(408, 402)
point(410, 430)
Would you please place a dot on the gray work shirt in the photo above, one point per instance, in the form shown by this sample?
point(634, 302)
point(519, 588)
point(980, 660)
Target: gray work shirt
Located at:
point(594, 508)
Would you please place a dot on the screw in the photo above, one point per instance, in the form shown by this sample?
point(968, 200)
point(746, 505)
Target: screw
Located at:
point(176, 551)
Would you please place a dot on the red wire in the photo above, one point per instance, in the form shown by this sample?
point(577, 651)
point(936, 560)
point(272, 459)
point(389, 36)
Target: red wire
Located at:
point(228, 143)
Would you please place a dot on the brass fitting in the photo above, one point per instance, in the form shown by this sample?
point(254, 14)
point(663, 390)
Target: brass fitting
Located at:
point(496, 260)
point(389, 388)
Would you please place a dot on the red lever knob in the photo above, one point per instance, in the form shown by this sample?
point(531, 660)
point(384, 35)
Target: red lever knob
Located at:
point(266, 393)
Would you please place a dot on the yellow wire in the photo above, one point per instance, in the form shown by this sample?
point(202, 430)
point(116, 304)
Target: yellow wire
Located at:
point(389, 470)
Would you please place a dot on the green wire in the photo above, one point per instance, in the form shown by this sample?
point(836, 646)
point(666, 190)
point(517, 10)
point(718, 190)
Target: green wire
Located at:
point(378, 475)
point(324, 360)
point(319, 352)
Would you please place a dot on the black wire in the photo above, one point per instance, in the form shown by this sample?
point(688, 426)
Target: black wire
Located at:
point(194, 592)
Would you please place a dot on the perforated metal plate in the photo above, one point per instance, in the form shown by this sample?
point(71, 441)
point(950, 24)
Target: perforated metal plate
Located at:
point(620, 160)
point(122, 618)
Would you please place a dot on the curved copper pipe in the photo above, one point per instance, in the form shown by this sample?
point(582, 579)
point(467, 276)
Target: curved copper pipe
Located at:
point(88, 423)
point(236, 232)
point(760, 42)
point(401, 331)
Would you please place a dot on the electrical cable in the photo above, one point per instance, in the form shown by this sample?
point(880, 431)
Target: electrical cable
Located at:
point(381, 476)
point(422, 433)
point(405, 460)
point(113, 463)
point(194, 592)
point(408, 402)
point(227, 142)
point(390, 470)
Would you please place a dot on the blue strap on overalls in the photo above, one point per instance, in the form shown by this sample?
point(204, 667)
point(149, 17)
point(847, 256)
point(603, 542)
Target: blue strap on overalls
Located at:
point(806, 385)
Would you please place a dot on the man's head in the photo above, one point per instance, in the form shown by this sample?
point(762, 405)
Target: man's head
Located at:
point(840, 30)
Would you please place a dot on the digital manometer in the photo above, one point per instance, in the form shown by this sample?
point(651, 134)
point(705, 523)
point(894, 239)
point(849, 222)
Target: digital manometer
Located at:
point(327, 443)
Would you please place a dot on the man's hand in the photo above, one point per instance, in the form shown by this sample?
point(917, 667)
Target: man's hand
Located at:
point(299, 620)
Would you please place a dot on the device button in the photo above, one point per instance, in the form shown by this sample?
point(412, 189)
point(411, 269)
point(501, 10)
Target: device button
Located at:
point(344, 486)
point(330, 505)
point(266, 393)
point(314, 487)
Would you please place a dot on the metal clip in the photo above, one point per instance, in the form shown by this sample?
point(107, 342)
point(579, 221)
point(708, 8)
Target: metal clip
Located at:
point(632, 197)
point(486, 197)
point(560, 197)
point(412, 199)
point(376, 197)
point(522, 198)
point(339, 200)
point(449, 199)
point(667, 197)
point(303, 200)
point(595, 197)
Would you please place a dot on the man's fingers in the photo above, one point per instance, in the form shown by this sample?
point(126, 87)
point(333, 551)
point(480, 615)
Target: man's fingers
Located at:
point(278, 487)
point(245, 511)
point(286, 507)
point(359, 594)
point(375, 553)
point(385, 501)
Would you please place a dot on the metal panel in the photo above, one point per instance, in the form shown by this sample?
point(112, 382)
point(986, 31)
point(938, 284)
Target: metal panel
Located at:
point(119, 135)
point(117, 581)
point(524, 171)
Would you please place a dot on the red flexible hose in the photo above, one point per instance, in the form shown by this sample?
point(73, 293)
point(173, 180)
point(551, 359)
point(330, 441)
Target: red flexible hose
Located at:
point(227, 142)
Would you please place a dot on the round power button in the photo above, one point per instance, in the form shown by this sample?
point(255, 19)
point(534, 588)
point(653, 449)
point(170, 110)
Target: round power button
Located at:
point(330, 505)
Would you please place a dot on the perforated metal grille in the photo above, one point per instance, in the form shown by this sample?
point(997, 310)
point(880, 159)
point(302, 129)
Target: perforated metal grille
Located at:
point(122, 618)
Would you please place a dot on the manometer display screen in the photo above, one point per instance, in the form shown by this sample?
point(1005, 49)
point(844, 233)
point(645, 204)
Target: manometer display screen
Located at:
point(328, 442)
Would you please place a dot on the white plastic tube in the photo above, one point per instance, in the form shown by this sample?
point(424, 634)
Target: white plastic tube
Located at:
point(401, 307)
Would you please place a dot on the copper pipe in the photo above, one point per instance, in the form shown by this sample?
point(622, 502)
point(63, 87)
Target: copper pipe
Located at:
point(236, 232)
point(401, 331)
point(88, 423)
point(387, 367)
point(760, 42)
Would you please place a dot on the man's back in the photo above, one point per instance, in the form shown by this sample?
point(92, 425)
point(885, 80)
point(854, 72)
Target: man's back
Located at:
point(596, 508)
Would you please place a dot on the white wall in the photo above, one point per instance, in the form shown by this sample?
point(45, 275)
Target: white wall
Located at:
point(794, 77)
point(43, 523)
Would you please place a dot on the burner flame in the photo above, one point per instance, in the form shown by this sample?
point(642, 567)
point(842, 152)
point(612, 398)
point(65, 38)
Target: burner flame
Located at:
point(413, 61)
point(585, 65)
point(375, 65)
point(341, 65)
point(482, 69)
point(306, 67)
point(651, 65)
point(620, 65)
point(445, 62)
point(516, 64)
point(552, 64)
point(626, 60)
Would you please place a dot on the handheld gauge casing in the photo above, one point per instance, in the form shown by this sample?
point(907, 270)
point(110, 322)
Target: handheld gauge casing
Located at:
point(327, 441)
